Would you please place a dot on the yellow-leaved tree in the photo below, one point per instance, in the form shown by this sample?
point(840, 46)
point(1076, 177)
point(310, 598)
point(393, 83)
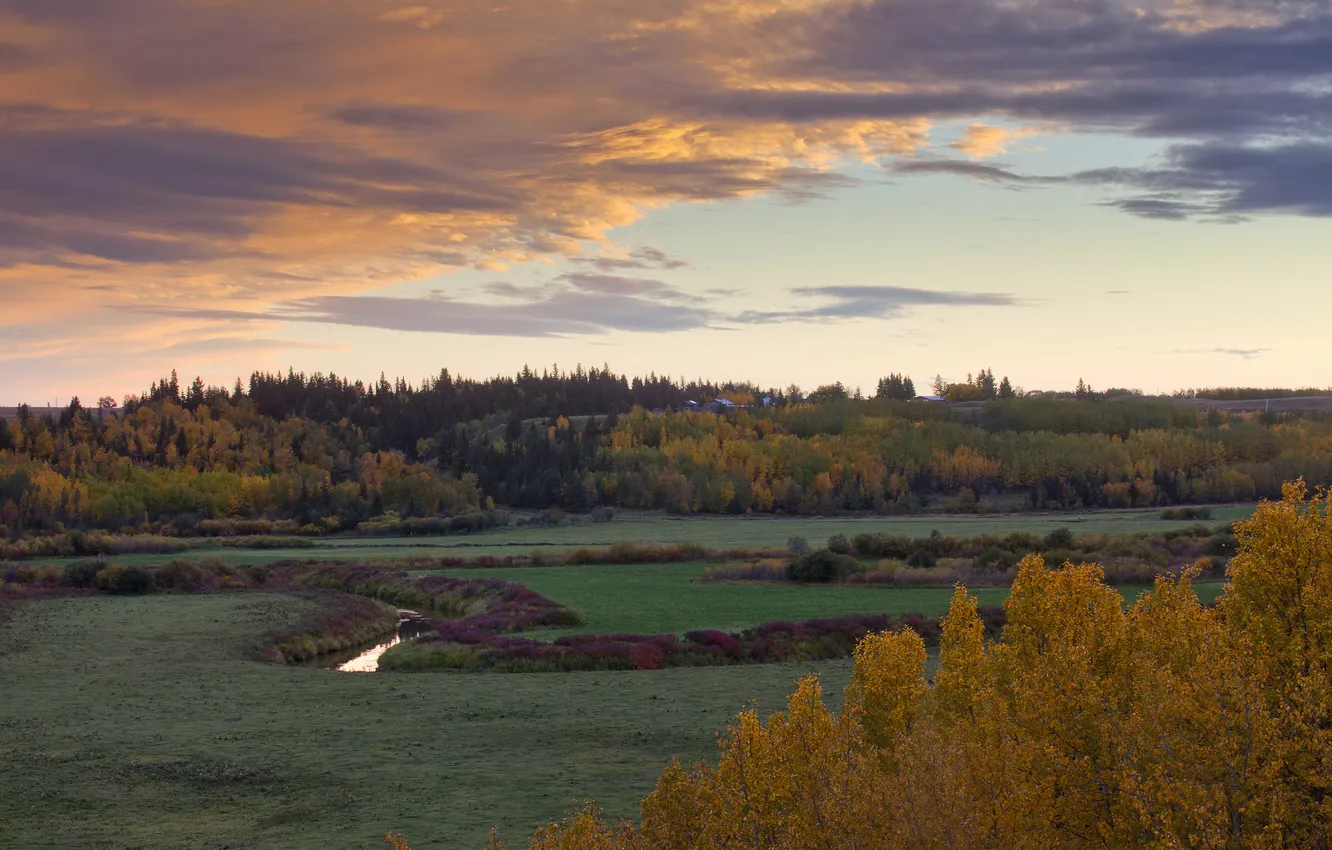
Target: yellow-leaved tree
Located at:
point(1166, 724)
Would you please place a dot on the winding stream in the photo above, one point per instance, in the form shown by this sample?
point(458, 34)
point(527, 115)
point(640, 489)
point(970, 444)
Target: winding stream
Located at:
point(366, 659)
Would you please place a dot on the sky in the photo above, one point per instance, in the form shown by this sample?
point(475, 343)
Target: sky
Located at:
point(1137, 194)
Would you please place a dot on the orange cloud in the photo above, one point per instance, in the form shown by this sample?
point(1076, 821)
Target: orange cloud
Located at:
point(981, 141)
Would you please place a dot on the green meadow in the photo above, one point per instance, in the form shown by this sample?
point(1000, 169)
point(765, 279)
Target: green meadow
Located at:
point(660, 598)
point(140, 722)
point(143, 722)
point(711, 531)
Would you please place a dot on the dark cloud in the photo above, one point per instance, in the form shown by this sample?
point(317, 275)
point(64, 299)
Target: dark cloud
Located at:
point(873, 302)
point(1166, 209)
point(798, 185)
point(568, 312)
point(642, 258)
point(1211, 181)
point(583, 304)
point(607, 284)
point(505, 289)
point(947, 41)
point(976, 170)
point(1227, 182)
point(397, 117)
point(142, 192)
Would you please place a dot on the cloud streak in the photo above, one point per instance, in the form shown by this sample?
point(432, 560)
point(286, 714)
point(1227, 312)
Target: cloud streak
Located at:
point(872, 302)
point(587, 305)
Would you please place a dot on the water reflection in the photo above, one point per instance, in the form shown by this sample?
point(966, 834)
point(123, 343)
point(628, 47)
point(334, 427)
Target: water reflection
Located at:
point(366, 659)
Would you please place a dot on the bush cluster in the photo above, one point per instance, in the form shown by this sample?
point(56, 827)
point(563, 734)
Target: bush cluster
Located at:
point(390, 525)
point(990, 560)
point(1186, 513)
point(79, 544)
point(820, 566)
point(464, 645)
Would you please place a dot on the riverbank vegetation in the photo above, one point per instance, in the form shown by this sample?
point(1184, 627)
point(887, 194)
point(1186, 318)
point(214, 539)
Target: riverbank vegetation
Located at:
point(460, 645)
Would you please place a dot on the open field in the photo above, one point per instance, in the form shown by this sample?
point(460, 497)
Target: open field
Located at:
point(139, 722)
point(660, 598)
point(714, 532)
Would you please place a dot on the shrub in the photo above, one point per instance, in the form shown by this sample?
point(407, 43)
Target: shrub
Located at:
point(797, 546)
point(1060, 538)
point(118, 578)
point(882, 545)
point(1186, 513)
point(921, 558)
point(820, 566)
point(839, 545)
point(82, 573)
point(180, 575)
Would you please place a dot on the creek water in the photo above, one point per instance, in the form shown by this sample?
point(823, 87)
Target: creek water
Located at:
point(365, 659)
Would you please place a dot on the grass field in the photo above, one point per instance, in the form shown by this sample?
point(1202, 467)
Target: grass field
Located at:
point(140, 721)
point(714, 532)
point(659, 598)
point(137, 722)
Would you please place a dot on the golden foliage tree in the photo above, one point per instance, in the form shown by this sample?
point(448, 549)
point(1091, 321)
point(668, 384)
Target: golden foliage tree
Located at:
point(1166, 724)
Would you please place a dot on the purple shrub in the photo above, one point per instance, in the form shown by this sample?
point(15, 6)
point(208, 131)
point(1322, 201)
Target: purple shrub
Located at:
point(721, 641)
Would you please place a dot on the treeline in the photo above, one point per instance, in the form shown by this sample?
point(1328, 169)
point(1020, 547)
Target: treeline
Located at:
point(321, 455)
point(1247, 393)
point(397, 414)
point(901, 458)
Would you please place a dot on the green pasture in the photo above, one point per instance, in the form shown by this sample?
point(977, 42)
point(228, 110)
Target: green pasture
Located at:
point(142, 722)
point(660, 598)
point(713, 532)
point(139, 722)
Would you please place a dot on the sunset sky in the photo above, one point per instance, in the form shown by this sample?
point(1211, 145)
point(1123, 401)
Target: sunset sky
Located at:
point(1135, 193)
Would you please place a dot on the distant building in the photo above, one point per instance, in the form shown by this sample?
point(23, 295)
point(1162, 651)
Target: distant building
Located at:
point(930, 398)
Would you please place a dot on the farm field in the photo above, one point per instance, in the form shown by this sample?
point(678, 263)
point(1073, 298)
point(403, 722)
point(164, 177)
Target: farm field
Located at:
point(714, 532)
